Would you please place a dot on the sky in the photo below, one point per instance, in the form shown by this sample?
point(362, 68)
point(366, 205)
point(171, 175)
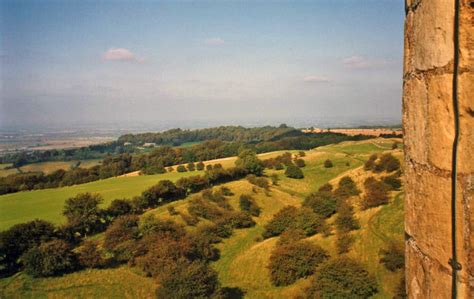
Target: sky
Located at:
point(66, 63)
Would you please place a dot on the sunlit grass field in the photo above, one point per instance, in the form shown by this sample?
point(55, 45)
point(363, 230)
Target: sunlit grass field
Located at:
point(46, 167)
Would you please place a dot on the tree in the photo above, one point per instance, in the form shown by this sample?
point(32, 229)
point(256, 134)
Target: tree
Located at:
point(83, 213)
point(121, 237)
point(249, 161)
point(181, 168)
point(322, 203)
point(200, 166)
point(48, 259)
point(328, 164)
point(294, 172)
point(346, 188)
point(342, 277)
point(291, 236)
point(188, 280)
point(191, 166)
point(291, 262)
point(119, 207)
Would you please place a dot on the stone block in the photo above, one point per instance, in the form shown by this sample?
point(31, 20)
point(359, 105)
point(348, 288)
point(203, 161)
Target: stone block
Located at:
point(415, 103)
point(433, 34)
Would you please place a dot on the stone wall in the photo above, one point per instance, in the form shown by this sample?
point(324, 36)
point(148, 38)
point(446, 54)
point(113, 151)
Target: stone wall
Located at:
point(428, 120)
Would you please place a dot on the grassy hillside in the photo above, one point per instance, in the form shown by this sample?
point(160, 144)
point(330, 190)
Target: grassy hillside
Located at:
point(46, 167)
point(48, 204)
point(244, 256)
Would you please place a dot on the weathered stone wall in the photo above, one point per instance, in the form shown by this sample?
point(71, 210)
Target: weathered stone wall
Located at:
point(428, 119)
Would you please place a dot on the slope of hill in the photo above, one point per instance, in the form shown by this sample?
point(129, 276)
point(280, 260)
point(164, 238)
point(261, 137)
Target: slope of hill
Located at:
point(245, 255)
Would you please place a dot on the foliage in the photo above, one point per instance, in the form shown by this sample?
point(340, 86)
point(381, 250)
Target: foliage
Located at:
point(83, 213)
point(291, 262)
point(49, 259)
point(248, 204)
point(346, 188)
point(119, 207)
point(376, 193)
point(393, 256)
point(188, 280)
point(249, 161)
point(89, 255)
point(294, 172)
point(343, 242)
point(388, 163)
point(181, 168)
point(393, 181)
point(326, 187)
point(328, 164)
point(291, 236)
point(258, 181)
point(200, 208)
point(200, 166)
point(322, 203)
point(342, 277)
point(345, 220)
point(291, 217)
point(121, 237)
point(191, 166)
point(20, 238)
point(300, 163)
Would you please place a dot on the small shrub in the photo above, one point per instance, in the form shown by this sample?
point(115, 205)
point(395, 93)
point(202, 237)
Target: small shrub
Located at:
point(326, 188)
point(209, 167)
point(393, 181)
point(300, 163)
point(236, 220)
point(291, 217)
point(172, 211)
point(393, 257)
point(291, 262)
point(191, 166)
point(200, 166)
point(401, 292)
point(376, 193)
point(181, 168)
point(248, 204)
point(89, 255)
point(189, 219)
point(200, 208)
point(388, 163)
point(294, 172)
point(49, 259)
point(344, 242)
point(301, 154)
point(370, 164)
point(258, 181)
point(170, 169)
point(346, 188)
point(188, 280)
point(322, 203)
point(290, 236)
point(226, 191)
point(119, 207)
point(328, 164)
point(279, 166)
point(342, 277)
point(395, 145)
point(345, 220)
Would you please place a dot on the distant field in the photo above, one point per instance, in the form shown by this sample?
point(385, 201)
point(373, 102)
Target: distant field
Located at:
point(244, 256)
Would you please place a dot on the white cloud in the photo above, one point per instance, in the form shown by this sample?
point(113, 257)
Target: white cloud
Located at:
point(359, 62)
point(121, 54)
point(315, 79)
point(214, 41)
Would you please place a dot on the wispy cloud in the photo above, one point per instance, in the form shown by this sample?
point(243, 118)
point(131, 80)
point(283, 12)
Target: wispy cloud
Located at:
point(316, 79)
point(360, 62)
point(214, 41)
point(121, 54)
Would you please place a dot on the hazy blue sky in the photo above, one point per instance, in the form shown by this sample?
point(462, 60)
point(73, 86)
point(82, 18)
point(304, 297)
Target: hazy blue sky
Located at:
point(67, 62)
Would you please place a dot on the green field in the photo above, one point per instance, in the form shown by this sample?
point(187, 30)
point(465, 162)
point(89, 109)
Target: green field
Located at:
point(244, 256)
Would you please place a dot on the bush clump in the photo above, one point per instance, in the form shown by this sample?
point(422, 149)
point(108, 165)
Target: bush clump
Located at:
point(343, 242)
point(291, 262)
point(376, 193)
point(342, 277)
point(300, 163)
point(322, 203)
point(328, 164)
point(290, 236)
point(89, 255)
point(181, 168)
point(294, 172)
point(345, 220)
point(49, 259)
point(346, 188)
point(393, 257)
point(294, 218)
